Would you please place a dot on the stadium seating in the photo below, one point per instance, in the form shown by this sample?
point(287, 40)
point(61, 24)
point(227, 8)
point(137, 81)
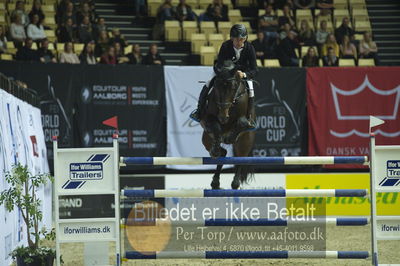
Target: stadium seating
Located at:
point(172, 30)
point(207, 55)
point(346, 62)
point(366, 62)
point(271, 63)
point(198, 40)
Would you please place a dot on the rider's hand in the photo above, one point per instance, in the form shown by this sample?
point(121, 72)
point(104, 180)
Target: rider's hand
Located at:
point(240, 73)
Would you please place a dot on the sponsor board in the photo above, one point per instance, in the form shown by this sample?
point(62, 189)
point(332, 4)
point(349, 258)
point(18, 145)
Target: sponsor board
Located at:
point(339, 126)
point(387, 203)
point(387, 172)
point(86, 231)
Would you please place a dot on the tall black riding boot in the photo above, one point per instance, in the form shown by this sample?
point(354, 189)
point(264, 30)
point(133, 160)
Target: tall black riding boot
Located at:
point(196, 114)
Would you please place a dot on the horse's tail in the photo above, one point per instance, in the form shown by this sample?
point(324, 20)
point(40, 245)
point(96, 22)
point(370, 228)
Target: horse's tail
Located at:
point(246, 173)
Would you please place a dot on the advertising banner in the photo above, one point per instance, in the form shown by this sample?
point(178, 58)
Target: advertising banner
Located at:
point(183, 86)
point(55, 85)
point(340, 101)
point(21, 141)
point(128, 100)
point(280, 108)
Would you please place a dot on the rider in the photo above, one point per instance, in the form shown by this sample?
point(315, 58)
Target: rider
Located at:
point(242, 53)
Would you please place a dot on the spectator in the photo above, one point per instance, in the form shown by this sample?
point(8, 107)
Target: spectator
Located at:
point(217, 11)
point(135, 57)
point(368, 48)
point(285, 31)
point(268, 23)
point(62, 8)
point(287, 52)
point(26, 53)
point(140, 7)
point(117, 37)
point(324, 14)
point(87, 55)
point(17, 31)
point(83, 12)
point(99, 27)
point(120, 54)
point(322, 33)
point(69, 13)
point(3, 40)
point(166, 11)
point(153, 57)
point(45, 55)
point(35, 30)
point(102, 43)
point(325, 4)
point(310, 59)
point(306, 34)
point(20, 10)
point(330, 43)
point(343, 30)
point(69, 56)
point(287, 17)
point(347, 49)
point(331, 59)
point(36, 10)
point(278, 4)
point(109, 57)
point(85, 31)
point(260, 46)
point(67, 32)
point(304, 4)
point(184, 12)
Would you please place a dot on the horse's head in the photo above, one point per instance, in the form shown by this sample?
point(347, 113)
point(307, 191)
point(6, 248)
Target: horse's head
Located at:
point(226, 87)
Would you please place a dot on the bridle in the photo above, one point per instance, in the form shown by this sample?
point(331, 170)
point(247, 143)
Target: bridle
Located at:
point(238, 93)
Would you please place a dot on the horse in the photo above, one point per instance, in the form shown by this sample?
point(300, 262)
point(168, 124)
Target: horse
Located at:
point(224, 121)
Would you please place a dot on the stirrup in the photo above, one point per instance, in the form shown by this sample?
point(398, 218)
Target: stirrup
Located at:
point(194, 115)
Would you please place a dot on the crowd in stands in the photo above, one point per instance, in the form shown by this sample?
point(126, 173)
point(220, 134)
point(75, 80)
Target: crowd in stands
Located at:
point(278, 36)
point(282, 36)
point(77, 25)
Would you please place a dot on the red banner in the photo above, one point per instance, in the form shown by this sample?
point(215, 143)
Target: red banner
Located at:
point(340, 101)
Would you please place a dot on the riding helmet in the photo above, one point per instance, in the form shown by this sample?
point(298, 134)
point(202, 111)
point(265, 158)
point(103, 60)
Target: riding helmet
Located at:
point(238, 31)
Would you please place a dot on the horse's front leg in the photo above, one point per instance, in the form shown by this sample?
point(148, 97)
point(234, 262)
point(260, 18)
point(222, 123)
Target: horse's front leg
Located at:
point(214, 130)
point(215, 180)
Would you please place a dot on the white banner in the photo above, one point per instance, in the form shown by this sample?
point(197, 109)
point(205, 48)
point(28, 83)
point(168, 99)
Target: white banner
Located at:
point(182, 90)
point(21, 141)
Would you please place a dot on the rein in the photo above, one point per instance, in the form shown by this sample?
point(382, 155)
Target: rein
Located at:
point(238, 94)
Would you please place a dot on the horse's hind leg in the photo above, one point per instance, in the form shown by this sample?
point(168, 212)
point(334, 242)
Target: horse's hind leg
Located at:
point(215, 180)
point(236, 179)
point(242, 148)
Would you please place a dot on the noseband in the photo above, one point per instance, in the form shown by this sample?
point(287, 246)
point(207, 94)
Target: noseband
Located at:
point(238, 94)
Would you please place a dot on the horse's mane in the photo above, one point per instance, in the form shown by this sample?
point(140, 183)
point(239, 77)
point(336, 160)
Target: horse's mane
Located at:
point(227, 70)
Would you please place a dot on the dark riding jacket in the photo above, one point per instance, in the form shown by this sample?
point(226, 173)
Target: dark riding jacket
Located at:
point(247, 61)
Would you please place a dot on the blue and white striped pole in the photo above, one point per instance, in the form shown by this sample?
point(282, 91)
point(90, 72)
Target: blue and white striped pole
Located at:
point(248, 255)
point(250, 222)
point(210, 193)
point(292, 160)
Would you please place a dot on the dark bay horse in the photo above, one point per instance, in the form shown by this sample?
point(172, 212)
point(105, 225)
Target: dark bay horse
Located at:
point(224, 121)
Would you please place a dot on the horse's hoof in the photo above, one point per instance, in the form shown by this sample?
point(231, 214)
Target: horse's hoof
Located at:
point(215, 185)
point(235, 184)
